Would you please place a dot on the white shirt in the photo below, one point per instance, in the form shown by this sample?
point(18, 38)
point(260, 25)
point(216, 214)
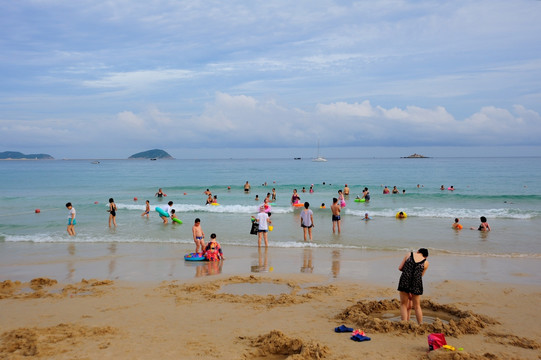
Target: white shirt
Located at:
point(262, 219)
point(306, 217)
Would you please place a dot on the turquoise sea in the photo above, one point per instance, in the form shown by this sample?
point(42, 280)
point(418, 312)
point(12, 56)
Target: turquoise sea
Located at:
point(505, 190)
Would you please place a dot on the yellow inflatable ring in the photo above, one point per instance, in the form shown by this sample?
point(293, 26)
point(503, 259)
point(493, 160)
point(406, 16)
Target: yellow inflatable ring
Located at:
point(403, 216)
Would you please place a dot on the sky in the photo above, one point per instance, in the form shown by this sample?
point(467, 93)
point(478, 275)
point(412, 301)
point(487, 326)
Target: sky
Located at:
point(213, 79)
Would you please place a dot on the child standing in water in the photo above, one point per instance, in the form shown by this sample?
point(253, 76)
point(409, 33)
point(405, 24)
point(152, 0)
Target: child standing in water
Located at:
point(147, 209)
point(198, 236)
point(341, 199)
point(112, 212)
point(307, 220)
point(71, 219)
point(263, 227)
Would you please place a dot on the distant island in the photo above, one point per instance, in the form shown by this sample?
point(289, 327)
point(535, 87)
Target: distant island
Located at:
point(151, 154)
point(15, 155)
point(414, 156)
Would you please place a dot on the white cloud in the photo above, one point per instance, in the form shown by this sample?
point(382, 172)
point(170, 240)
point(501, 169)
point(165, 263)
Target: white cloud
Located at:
point(241, 119)
point(139, 79)
point(363, 109)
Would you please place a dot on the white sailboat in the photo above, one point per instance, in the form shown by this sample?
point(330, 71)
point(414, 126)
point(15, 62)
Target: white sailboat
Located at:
point(319, 158)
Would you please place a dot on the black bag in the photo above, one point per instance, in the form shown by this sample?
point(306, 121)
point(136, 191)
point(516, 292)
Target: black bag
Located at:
point(255, 228)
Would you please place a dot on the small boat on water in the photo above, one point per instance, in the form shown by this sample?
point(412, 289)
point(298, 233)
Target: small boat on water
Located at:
point(296, 158)
point(95, 162)
point(153, 159)
point(319, 158)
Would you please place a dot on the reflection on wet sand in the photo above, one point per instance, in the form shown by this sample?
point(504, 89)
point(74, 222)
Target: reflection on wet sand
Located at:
point(307, 266)
point(262, 261)
point(205, 268)
point(112, 263)
point(335, 263)
point(70, 264)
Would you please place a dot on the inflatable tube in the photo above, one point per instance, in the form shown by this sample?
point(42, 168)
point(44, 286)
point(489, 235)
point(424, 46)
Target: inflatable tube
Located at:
point(360, 200)
point(299, 204)
point(160, 211)
point(177, 220)
point(404, 215)
point(214, 204)
point(272, 204)
point(194, 257)
point(459, 227)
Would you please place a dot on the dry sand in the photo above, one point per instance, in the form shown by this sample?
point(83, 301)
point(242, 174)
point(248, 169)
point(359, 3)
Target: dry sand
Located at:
point(209, 318)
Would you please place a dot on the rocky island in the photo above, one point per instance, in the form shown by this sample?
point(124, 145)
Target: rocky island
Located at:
point(152, 155)
point(15, 155)
point(414, 156)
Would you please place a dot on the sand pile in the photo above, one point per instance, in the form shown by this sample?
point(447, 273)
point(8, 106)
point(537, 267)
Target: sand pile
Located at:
point(365, 315)
point(62, 338)
point(44, 287)
point(210, 290)
point(277, 343)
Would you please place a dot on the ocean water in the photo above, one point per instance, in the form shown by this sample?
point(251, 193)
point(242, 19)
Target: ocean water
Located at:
point(505, 190)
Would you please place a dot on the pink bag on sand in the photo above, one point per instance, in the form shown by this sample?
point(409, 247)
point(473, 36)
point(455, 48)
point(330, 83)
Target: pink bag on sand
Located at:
point(436, 341)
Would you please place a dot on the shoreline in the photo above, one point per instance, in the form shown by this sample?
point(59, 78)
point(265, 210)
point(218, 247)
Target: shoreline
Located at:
point(71, 262)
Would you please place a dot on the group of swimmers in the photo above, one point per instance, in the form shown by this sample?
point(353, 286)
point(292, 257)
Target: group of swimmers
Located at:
point(72, 221)
point(484, 226)
point(306, 213)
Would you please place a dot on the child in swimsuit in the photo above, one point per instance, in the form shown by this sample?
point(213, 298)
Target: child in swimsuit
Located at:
point(71, 219)
point(147, 209)
point(198, 236)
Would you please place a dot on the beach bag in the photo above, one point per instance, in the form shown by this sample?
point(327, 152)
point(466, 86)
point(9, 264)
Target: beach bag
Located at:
point(436, 341)
point(255, 228)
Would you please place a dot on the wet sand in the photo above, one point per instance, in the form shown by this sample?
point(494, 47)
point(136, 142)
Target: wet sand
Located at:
point(71, 262)
point(147, 304)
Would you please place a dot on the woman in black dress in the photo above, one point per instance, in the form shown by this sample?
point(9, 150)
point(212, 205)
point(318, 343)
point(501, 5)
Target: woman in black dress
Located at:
point(410, 286)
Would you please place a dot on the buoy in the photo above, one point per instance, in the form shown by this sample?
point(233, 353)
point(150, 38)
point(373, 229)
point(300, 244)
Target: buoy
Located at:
point(95, 202)
point(184, 193)
point(37, 211)
point(134, 199)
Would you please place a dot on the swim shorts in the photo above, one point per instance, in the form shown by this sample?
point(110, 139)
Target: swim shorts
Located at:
point(335, 217)
point(74, 221)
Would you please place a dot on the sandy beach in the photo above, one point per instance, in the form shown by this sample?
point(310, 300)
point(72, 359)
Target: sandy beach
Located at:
point(272, 314)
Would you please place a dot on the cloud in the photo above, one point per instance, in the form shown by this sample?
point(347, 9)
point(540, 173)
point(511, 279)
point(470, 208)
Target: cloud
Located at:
point(242, 121)
point(138, 79)
point(245, 121)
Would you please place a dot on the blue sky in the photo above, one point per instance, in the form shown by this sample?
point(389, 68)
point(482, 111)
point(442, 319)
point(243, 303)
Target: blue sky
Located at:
point(83, 79)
